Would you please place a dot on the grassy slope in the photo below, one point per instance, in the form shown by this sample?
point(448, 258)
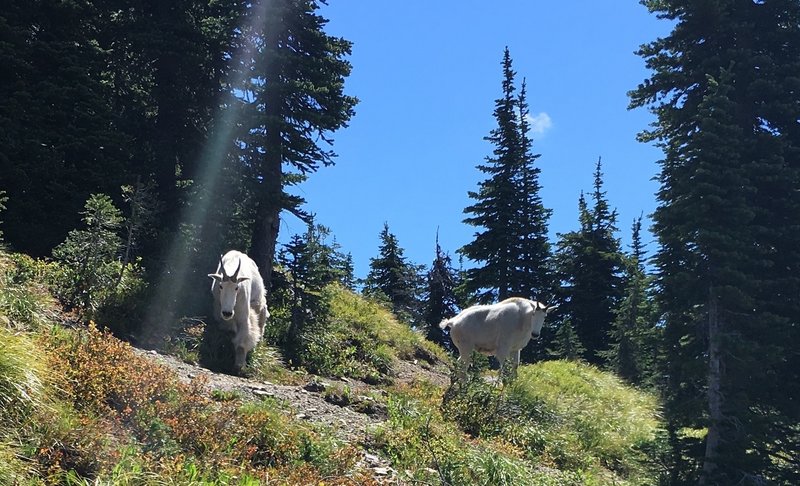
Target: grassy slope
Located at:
point(80, 406)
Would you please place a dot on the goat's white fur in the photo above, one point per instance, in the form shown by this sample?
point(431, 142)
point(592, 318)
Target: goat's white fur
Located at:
point(240, 303)
point(499, 330)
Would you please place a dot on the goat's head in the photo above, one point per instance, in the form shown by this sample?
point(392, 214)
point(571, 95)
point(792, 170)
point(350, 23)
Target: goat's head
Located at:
point(226, 287)
point(540, 311)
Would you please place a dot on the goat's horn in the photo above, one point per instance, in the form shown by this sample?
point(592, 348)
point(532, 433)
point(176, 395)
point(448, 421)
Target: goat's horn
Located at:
point(236, 273)
point(222, 268)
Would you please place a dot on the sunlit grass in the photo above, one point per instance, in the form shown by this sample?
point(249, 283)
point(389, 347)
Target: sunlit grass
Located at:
point(584, 414)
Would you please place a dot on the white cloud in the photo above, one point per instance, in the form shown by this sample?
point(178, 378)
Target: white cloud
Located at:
point(540, 123)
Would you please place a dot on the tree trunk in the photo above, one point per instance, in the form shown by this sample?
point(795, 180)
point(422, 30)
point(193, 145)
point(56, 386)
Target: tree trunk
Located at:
point(270, 197)
point(714, 389)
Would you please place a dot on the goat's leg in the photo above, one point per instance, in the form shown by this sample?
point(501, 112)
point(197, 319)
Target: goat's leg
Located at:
point(502, 358)
point(462, 365)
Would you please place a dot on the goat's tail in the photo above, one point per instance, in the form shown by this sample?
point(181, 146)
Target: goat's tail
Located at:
point(444, 324)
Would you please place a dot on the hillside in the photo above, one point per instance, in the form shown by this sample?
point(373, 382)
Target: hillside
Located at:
point(82, 407)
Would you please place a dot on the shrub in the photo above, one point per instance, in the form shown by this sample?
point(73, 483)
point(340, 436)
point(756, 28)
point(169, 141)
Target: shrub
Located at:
point(24, 300)
point(181, 430)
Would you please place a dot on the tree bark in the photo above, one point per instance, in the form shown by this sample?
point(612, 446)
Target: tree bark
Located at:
point(270, 197)
point(714, 389)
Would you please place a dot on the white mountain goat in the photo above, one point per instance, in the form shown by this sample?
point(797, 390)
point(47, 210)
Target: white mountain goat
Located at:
point(240, 303)
point(499, 330)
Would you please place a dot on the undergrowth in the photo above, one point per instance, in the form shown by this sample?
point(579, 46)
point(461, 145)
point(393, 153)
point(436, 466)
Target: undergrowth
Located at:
point(360, 339)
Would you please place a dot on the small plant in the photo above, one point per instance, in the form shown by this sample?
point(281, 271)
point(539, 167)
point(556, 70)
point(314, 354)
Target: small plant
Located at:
point(89, 257)
point(338, 395)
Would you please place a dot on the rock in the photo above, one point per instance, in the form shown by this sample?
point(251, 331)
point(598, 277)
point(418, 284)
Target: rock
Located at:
point(316, 386)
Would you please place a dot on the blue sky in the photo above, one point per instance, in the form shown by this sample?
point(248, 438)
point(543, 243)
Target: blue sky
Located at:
point(427, 74)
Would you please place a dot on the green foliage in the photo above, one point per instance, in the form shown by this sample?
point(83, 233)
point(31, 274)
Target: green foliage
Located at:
point(589, 265)
point(579, 427)
point(21, 383)
point(441, 300)
point(634, 334)
point(392, 277)
point(87, 274)
point(360, 339)
point(512, 245)
point(177, 431)
point(25, 302)
point(729, 248)
point(88, 258)
point(564, 415)
point(591, 410)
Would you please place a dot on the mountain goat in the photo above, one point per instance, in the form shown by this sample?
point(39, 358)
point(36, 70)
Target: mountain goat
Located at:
point(499, 330)
point(240, 303)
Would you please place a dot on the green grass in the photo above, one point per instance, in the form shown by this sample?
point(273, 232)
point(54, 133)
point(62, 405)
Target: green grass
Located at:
point(79, 408)
point(558, 423)
point(588, 414)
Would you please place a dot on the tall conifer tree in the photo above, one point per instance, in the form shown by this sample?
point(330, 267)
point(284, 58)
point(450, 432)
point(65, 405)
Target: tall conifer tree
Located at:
point(633, 332)
point(730, 243)
point(512, 248)
point(590, 268)
point(393, 277)
point(294, 85)
point(441, 301)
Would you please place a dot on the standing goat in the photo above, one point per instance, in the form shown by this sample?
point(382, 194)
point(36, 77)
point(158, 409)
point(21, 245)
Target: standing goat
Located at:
point(501, 329)
point(240, 303)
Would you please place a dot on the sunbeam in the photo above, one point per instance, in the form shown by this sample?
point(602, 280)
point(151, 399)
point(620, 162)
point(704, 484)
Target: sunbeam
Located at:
point(175, 274)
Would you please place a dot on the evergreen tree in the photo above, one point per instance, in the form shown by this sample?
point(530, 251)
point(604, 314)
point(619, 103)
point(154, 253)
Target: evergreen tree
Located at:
point(533, 274)
point(590, 268)
point(89, 257)
point(730, 245)
point(392, 277)
point(312, 265)
point(512, 248)
point(58, 136)
point(293, 90)
point(441, 301)
point(633, 333)
point(565, 343)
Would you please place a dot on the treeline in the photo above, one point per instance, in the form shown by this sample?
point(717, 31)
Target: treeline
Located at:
point(205, 112)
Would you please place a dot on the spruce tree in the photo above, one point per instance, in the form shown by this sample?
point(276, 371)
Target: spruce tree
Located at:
point(312, 264)
point(293, 94)
point(511, 248)
point(533, 274)
point(392, 277)
point(730, 246)
point(59, 135)
point(633, 334)
point(590, 268)
point(441, 301)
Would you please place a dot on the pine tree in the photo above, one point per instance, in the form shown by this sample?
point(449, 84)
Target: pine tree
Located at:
point(565, 343)
point(312, 265)
point(590, 268)
point(729, 257)
point(533, 274)
point(293, 90)
point(440, 300)
point(392, 277)
point(59, 140)
point(633, 333)
point(512, 248)
point(88, 257)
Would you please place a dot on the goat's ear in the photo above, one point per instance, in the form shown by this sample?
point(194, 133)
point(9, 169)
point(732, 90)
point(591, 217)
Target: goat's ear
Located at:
point(215, 276)
point(242, 279)
point(547, 310)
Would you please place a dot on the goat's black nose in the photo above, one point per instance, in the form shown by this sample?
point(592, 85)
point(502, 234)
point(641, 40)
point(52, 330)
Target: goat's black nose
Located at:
point(227, 315)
